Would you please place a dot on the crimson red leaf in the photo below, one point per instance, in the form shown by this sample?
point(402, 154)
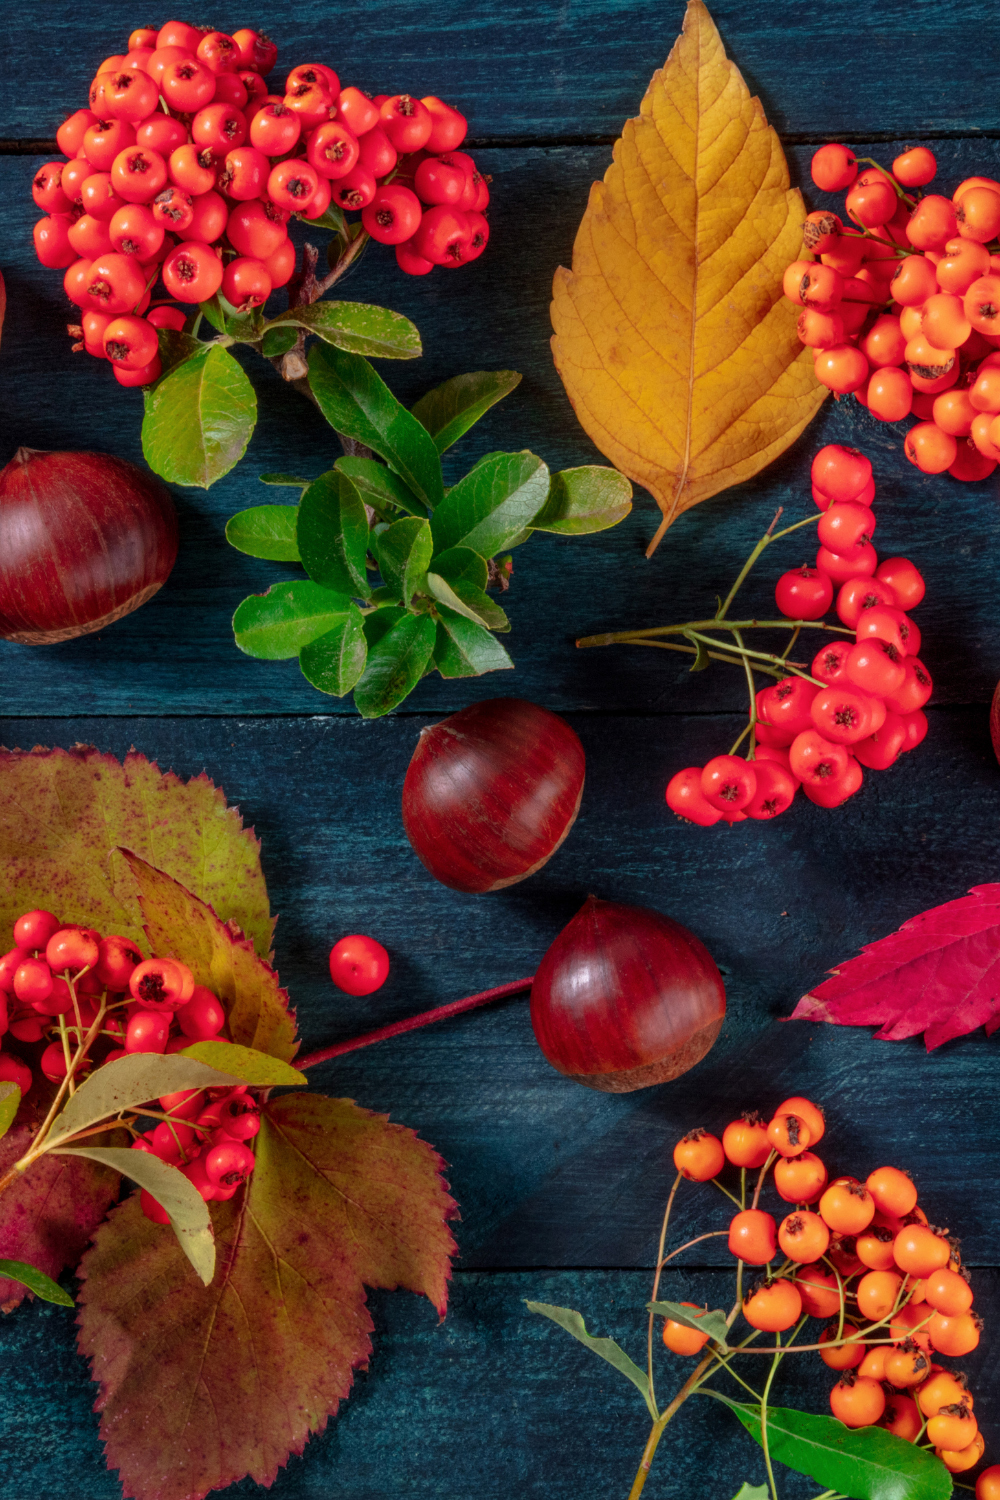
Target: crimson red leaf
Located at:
point(939, 974)
point(203, 1385)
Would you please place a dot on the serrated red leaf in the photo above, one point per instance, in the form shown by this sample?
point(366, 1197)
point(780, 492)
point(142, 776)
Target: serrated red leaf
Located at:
point(939, 974)
point(203, 1385)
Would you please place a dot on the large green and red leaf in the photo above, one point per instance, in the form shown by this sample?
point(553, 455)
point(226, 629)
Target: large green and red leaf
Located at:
point(233, 1378)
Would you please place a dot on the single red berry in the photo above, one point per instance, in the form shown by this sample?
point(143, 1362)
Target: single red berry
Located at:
point(244, 173)
point(161, 133)
point(407, 122)
point(134, 230)
point(117, 958)
point(275, 129)
point(187, 85)
point(72, 949)
point(192, 272)
point(393, 215)
point(229, 1163)
point(448, 125)
point(52, 242)
point(147, 1031)
point(219, 128)
point(291, 184)
point(358, 965)
point(409, 261)
point(256, 229)
point(161, 984)
point(728, 782)
point(33, 930)
point(803, 594)
point(443, 236)
point(357, 111)
point(246, 283)
point(202, 1017)
point(376, 152)
point(239, 1116)
point(164, 316)
point(152, 1209)
point(13, 1070)
point(356, 188)
point(33, 981)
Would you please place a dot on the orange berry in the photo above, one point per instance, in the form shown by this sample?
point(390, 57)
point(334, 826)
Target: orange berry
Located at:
point(775, 1307)
point(807, 1111)
point(841, 369)
point(803, 1237)
point(819, 330)
point(821, 287)
point(944, 323)
point(947, 1292)
point(902, 1418)
point(871, 200)
point(979, 434)
point(847, 1207)
point(821, 231)
point(932, 223)
point(957, 1461)
point(873, 1364)
point(968, 183)
point(789, 1135)
point(877, 1292)
point(820, 1292)
point(800, 1179)
point(953, 1427)
point(681, 1339)
point(753, 1236)
point(984, 393)
point(954, 1336)
point(910, 321)
point(874, 1248)
point(982, 304)
point(745, 1141)
point(699, 1156)
point(841, 1356)
point(919, 1251)
point(930, 449)
point(857, 1401)
point(890, 394)
point(907, 1365)
point(834, 167)
point(883, 345)
point(845, 254)
point(911, 1322)
point(915, 168)
point(791, 282)
point(942, 1388)
point(926, 359)
point(913, 281)
point(963, 263)
point(988, 1484)
point(978, 214)
point(954, 412)
point(843, 1255)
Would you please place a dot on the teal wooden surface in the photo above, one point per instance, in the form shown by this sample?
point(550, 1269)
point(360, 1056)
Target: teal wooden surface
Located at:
point(560, 1189)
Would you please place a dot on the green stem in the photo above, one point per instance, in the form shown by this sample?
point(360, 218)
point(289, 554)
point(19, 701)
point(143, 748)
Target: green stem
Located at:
point(731, 1196)
point(656, 1287)
point(753, 697)
point(769, 536)
point(763, 1415)
point(632, 637)
point(656, 1431)
point(746, 652)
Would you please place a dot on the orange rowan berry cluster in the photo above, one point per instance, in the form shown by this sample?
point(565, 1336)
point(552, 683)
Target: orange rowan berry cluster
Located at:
point(902, 305)
point(184, 165)
point(862, 1258)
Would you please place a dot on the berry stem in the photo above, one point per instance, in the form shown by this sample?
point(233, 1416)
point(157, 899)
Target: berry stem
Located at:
point(413, 1023)
point(635, 637)
point(656, 1287)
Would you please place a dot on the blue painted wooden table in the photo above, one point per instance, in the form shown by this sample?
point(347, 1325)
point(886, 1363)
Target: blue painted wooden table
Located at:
point(560, 1189)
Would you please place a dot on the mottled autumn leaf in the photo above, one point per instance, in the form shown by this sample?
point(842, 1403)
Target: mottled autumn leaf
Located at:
point(64, 813)
point(675, 345)
point(203, 1385)
point(939, 974)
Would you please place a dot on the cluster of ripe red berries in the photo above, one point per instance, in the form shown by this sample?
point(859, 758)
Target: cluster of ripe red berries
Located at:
point(862, 703)
point(902, 307)
point(890, 1287)
point(59, 981)
point(184, 166)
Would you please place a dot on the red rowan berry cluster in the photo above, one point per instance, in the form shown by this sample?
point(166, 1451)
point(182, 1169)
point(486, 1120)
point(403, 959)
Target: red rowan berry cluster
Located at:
point(184, 166)
point(860, 704)
point(85, 991)
point(902, 307)
point(862, 1258)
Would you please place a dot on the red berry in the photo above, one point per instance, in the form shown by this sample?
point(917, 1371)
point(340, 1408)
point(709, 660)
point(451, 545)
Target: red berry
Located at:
point(728, 782)
point(803, 594)
point(52, 242)
point(357, 111)
point(163, 316)
point(846, 525)
point(196, 1174)
point(219, 128)
point(138, 174)
point(33, 981)
point(830, 662)
point(256, 229)
point(69, 136)
point(162, 134)
point(393, 215)
point(98, 197)
point(192, 272)
point(915, 690)
point(333, 149)
point(356, 189)
point(13, 1070)
point(903, 580)
point(191, 168)
point(358, 965)
point(9, 964)
point(89, 237)
point(834, 168)
point(130, 342)
point(448, 125)
point(219, 52)
point(281, 265)
point(275, 129)
point(443, 236)
point(837, 789)
point(776, 788)
point(841, 473)
point(229, 1163)
point(170, 1142)
point(187, 85)
point(209, 217)
point(786, 704)
point(244, 173)
point(291, 184)
point(409, 261)
point(437, 182)
point(875, 667)
point(239, 1116)
point(246, 283)
point(161, 984)
point(815, 760)
point(376, 152)
point(117, 284)
point(134, 230)
point(686, 798)
point(144, 376)
point(407, 122)
point(47, 189)
point(843, 566)
point(72, 949)
point(202, 1017)
point(859, 594)
point(255, 50)
point(33, 930)
point(881, 749)
point(173, 208)
point(152, 1209)
point(841, 714)
point(147, 1031)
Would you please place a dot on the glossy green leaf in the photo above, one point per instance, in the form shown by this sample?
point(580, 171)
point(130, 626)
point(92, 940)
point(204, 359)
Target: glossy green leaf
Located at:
point(606, 1348)
point(358, 403)
point(464, 649)
point(278, 341)
point(584, 500)
point(332, 534)
point(266, 531)
point(132, 1080)
point(36, 1281)
point(175, 346)
point(753, 1492)
point(10, 1103)
point(452, 408)
point(395, 665)
point(334, 662)
point(445, 594)
point(188, 1210)
point(381, 621)
point(712, 1323)
point(404, 554)
point(199, 418)
point(214, 314)
point(867, 1463)
point(377, 332)
point(245, 1063)
point(460, 564)
point(276, 625)
point(285, 481)
point(483, 605)
point(491, 504)
point(379, 487)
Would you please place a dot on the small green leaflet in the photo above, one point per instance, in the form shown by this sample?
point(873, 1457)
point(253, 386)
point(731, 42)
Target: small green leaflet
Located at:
point(445, 594)
point(358, 403)
point(358, 327)
point(404, 554)
point(278, 341)
point(245, 1063)
point(712, 1323)
point(334, 662)
point(494, 501)
point(276, 625)
point(188, 1211)
point(395, 665)
point(10, 1103)
point(483, 606)
point(452, 408)
point(332, 534)
point(332, 218)
point(606, 1348)
point(285, 481)
point(753, 1492)
point(175, 346)
point(463, 649)
point(266, 531)
point(461, 564)
point(379, 487)
point(867, 1463)
point(199, 418)
point(381, 621)
point(584, 500)
point(129, 1081)
point(36, 1281)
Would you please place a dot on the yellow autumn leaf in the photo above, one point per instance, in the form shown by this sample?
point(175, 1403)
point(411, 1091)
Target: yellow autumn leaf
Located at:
point(672, 337)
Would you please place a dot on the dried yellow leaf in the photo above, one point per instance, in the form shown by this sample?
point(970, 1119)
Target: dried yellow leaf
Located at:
point(672, 337)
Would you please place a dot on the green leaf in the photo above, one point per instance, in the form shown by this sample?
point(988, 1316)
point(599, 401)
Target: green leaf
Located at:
point(358, 403)
point(395, 665)
point(491, 504)
point(483, 608)
point(214, 313)
point(452, 408)
point(175, 346)
point(404, 551)
point(864, 1462)
point(128, 1081)
point(701, 660)
point(188, 1210)
point(10, 1103)
point(379, 487)
point(278, 341)
point(265, 531)
point(358, 327)
point(584, 500)
point(276, 625)
point(381, 621)
point(36, 1281)
point(461, 564)
point(199, 418)
point(606, 1348)
point(753, 1492)
point(332, 534)
point(335, 661)
point(712, 1323)
point(463, 649)
point(332, 218)
point(286, 481)
point(245, 1063)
